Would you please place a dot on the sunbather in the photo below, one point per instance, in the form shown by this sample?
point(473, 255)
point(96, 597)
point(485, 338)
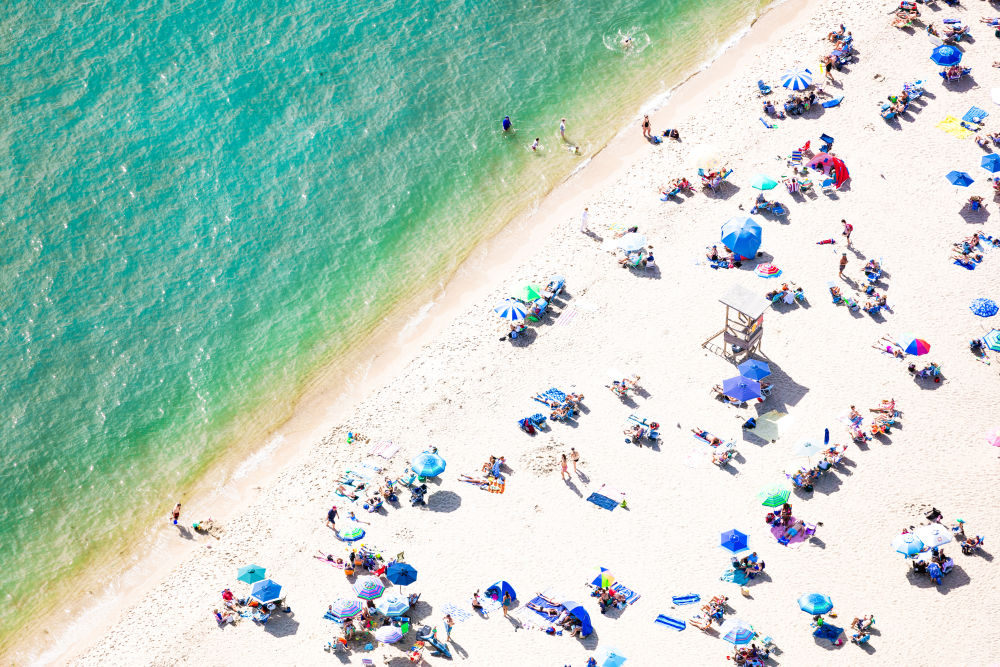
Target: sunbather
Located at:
point(635, 432)
point(343, 491)
point(551, 612)
point(863, 623)
point(982, 143)
point(721, 394)
point(705, 435)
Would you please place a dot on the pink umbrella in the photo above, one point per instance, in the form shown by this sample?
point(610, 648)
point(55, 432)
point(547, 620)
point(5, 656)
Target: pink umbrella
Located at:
point(767, 270)
point(822, 161)
point(993, 437)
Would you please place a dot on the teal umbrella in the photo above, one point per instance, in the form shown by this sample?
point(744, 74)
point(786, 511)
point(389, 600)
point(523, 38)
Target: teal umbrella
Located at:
point(763, 182)
point(427, 464)
point(250, 574)
point(815, 603)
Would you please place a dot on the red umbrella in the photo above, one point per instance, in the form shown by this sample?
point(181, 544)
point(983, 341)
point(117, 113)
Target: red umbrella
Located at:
point(840, 173)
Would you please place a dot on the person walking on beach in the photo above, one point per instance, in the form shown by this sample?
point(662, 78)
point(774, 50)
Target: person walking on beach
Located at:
point(331, 517)
point(449, 623)
point(176, 513)
point(562, 129)
point(848, 228)
point(507, 603)
point(574, 456)
point(645, 127)
point(843, 264)
point(564, 466)
point(584, 219)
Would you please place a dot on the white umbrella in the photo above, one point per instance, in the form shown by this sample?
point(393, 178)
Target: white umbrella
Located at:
point(632, 242)
point(933, 535)
point(388, 634)
point(807, 449)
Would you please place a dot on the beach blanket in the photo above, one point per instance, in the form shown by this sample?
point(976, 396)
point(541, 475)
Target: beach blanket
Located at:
point(456, 612)
point(778, 532)
point(975, 115)
point(606, 497)
point(692, 598)
point(384, 448)
point(670, 622)
point(953, 126)
point(539, 601)
point(566, 317)
point(631, 597)
point(827, 631)
point(970, 266)
point(735, 576)
point(489, 605)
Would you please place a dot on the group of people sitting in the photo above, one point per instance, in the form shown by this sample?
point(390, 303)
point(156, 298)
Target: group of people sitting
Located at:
point(955, 72)
point(607, 599)
point(762, 204)
point(723, 260)
point(798, 104)
point(234, 609)
point(805, 478)
point(561, 409)
point(954, 30)
point(787, 292)
point(905, 14)
point(533, 309)
point(750, 565)
point(863, 626)
point(640, 258)
point(750, 656)
point(675, 187)
point(713, 612)
point(896, 104)
point(931, 370)
point(559, 615)
point(621, 388)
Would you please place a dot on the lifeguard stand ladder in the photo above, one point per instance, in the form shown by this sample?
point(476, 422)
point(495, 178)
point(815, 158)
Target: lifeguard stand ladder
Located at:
point(744, 323)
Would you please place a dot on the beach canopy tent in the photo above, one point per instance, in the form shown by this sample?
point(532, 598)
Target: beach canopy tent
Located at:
point(266, 591)
point(610, 657)
point(496, 590)
point(577, 610)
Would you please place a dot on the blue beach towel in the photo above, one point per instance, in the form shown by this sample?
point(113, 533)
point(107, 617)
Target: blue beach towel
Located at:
point(674, 623)
point(827, 631)
point(735, 576)
point(970, 267)
point(686, 599)
point(630, 596)
point(975, 115)
point(602, 501)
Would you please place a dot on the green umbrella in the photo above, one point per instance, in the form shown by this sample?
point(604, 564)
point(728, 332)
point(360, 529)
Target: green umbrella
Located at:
point(762, 182)
point(250, 574)
point(528, 293)
point(774, 495)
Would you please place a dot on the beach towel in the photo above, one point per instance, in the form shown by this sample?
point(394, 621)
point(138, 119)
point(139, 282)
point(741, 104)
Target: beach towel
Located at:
point(670, 622)
point(692, 598)
point(735, 576)
point(456, 612)
point(631, 597)
point(834, 102)
point(778, 533)
point(566, 317)
point(975, 115)
point(606, 497)
point(827, 631)
point(953, 126)
point(970, 266)
point(384, 448)
point(489, 605)
point(541, 602)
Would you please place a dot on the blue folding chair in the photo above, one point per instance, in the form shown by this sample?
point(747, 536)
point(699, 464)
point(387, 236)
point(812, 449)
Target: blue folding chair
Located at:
point(763, 87)
point(827, 143)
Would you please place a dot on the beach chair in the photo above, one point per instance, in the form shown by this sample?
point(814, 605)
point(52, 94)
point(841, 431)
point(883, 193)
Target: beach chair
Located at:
point(795, 159)
point(827, 143)
point(827, 186)
point(763, 87)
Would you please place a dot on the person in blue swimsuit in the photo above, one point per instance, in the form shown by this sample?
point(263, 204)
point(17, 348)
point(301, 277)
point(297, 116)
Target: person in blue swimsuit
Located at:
point(506, 124)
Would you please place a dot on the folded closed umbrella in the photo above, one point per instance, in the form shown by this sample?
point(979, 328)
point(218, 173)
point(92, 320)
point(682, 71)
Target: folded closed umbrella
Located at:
point(984, 307)
point(815, 603)
point(946, 56)
point(797, 78)
point(734, 541)
point(388, 634)
point(736, 631)
point(959, 178)
point(251, 574)
point(754, 369)
point(933, 535)
point(907, 544)
point(741, 388)
point(428, 464)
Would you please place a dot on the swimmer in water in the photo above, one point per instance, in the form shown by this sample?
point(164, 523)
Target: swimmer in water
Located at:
point(506, 124)
point(627, 42)
point(534, 145)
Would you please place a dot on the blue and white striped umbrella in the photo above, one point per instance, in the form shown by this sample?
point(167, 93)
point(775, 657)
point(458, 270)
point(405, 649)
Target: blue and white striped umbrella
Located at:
point(736, 631)
point(510, 310)
point(797, 78)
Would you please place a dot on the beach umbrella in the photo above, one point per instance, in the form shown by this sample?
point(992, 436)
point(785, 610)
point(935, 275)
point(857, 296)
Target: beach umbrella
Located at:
point(763, 182)
point(815, 603)
point(509, 309)
point(797, 78)
point(992, 340)
point(610, 657)
point(807, 448)
point(528, 293)
point(345, 608)
point(840, 173)
point(250, 574)
point(604, 579)
point(775, 495)
point(428, 464)
point(959, 178)
point(632, 242)
point(993, 437)
point(266, 591)
point(933, 535)
point(914, 346)
point(741, 388)
point(991, 163)
point(736, 631)
point(351, 533)
point(742, 236)
point(946, 55)
point(401, 574)
point(754, 369)
point(984, 307)
point(907, 544)
point(388, 634)
point(767, 271)
point(368, 588)
point(707, 158)
point(734, 541)
point(393, 605)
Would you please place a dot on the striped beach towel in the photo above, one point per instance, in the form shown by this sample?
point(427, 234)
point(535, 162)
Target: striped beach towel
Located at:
point(384, 448)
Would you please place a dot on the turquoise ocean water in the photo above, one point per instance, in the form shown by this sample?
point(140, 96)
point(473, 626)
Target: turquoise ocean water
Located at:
point(205, 201)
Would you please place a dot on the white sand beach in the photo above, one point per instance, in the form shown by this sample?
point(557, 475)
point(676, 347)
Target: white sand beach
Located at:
point(463, 391)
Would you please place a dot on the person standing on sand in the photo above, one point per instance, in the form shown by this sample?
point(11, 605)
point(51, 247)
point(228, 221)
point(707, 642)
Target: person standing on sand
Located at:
point(564, 466)
point(449, 623)
point(848, 228)
point(584, 219)
point(507, 603)
point(843, 264)
point(574, 456)
point(645, 127)
point(331, 517)
point(176, 513)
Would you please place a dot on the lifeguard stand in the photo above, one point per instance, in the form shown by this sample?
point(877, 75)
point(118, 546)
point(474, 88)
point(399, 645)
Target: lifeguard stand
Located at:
point(744, 322)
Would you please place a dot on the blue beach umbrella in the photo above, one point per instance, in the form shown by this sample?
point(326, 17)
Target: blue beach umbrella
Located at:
point(991, 163)
point(984, 307)
point(742, 236)
point(251, 574)
point(907, 544)
point(392, 605)
point(946, 55)
point(992, 340)
point(959, 178)
point(797, 78)
point(427, 464)
point(734, 541)
point(754, 369)
point(401, 574)
point(266, 591)
point(741, 388)
point(510, 310)
point(610, 657)
point(736, 631)
point(815, 603)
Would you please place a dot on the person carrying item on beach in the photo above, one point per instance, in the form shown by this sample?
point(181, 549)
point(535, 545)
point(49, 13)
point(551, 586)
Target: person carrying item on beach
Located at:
point(175, 514)
point(563, 466)
point(506, 124)
point(645, 127)
point(449, 623)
